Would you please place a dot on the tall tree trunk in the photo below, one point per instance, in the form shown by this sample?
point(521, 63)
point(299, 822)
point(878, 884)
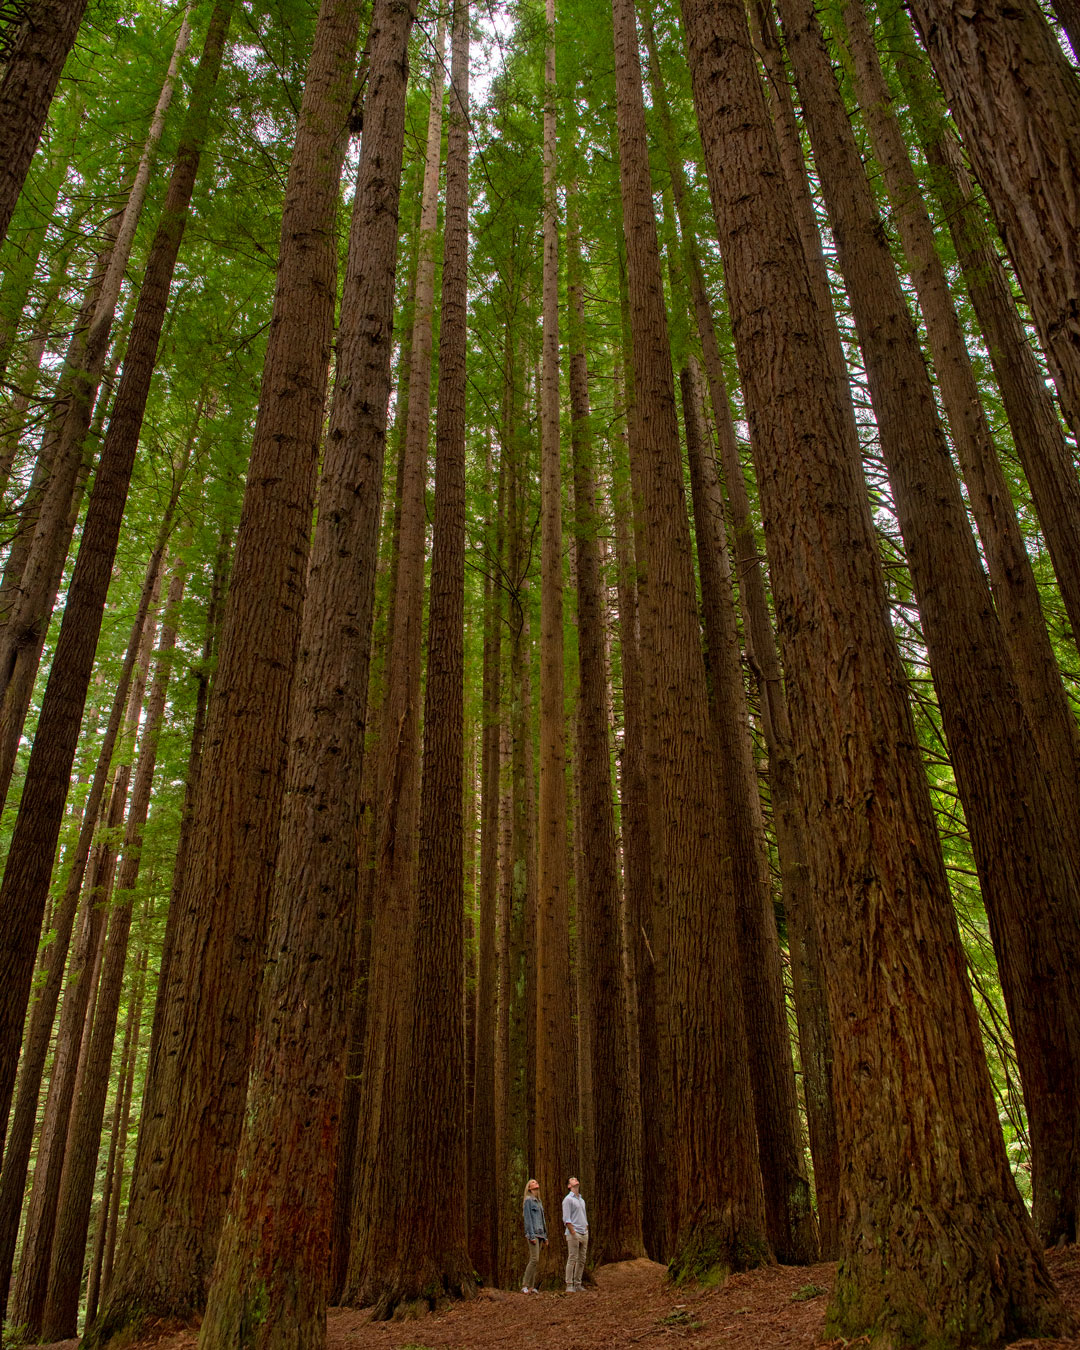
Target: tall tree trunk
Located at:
point(43, 1011)
point(271, 1274)
point(918, 1127)
point(397, 793)
point(76, 1023)
point(616, 1106)
point(118, 1149)
point(80, 1163)
point(206, 1016)
point(1023, 850)
point(29, 862)
point(483, 1188)
point(1033, 418)
point(788, 1210)
point(1016, 101)
point(1012, 579)
point(48, 29)
point(721, 1218)
point(556, 1154)
point(637, 866)
point(35, 567)
point(432, 1258)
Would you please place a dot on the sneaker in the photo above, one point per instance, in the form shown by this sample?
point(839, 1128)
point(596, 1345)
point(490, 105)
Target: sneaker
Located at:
point(570, 1289)
point(534, 1291)
point(525, 1289)
point(579, 1288)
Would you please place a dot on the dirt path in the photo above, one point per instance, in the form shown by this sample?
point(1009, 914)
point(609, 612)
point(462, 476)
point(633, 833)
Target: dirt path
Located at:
point(781, 1308)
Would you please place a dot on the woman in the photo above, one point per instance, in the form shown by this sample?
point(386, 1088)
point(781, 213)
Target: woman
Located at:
point(532, 1211)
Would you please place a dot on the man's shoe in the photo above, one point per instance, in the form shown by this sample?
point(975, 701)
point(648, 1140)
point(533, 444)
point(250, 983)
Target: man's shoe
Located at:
point(534, 1291)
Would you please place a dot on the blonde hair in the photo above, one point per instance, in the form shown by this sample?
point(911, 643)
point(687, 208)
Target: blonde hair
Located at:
point(532, 1181)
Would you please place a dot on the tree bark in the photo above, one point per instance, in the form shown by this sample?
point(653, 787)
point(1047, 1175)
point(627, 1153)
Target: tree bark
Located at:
point(918, 1127)
point(1016, 101)
point(788, 1210)
point(80, 1163)
point(29, 863)
point(1012, 580)
point(397, 794)
point(43, 1010)
point(76, 1023)
point(205, 1023)
point(269, 1285)
point(1024, 852)
point(616, 1234)
point(35, 566)
point(483, 1188)
point(721, 1218)
point(26, 90)
point(556, 1154)
point(432, 1258)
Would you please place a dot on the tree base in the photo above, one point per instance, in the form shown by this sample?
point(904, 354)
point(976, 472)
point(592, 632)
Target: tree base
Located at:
point(940, 1289)
point(404, 1297)
point(706, 1256)
point(122, 1326)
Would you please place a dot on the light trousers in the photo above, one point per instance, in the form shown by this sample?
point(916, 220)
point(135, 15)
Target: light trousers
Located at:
point(577, 1244)
point(528, 1280)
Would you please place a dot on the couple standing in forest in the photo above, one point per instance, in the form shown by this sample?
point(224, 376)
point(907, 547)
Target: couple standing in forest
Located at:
point(575, 1226)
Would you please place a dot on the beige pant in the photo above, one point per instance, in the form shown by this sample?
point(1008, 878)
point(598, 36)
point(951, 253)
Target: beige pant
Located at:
point(533, 1268)
point(577, 1244)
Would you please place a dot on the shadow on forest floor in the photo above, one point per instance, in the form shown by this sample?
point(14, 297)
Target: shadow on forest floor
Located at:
point(780, 1308)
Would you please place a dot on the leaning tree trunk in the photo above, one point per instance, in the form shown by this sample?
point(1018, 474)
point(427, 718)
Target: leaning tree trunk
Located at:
point(30, 857)
point(916, 1114)
point(80, 1163)
point(203, 1035)
point(1012, 579)
point(1016, 101)
point(26, 90)
point(721, 1218)
point(397, 793)
point(1024, 851)
point(35, 566)
point(616, 1234)
point(789, 1213)
point(1033, 417)
point(76, 1023)
point(271, 1270)
point(43, 1011)
point(432, 1258)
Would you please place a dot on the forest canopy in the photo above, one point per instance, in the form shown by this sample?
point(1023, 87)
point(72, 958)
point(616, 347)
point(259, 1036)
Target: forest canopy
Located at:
point(539, 593)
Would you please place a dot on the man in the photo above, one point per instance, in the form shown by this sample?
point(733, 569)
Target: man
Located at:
point(576, 1223)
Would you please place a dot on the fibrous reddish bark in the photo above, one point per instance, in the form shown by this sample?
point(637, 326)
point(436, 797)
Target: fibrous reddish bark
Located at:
point(721, 1218)
point(918, 1127)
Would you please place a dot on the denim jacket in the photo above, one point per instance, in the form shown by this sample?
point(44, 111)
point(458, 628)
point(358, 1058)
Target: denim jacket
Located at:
point(532, 1211)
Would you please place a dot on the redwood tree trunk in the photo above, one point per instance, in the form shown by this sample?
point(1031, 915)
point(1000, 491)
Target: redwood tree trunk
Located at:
point(271, 1271)
point(30, 858)
point(205, 1019)
point(26, 90)
point(556, 1155)
point(721, 1218)
point(918, 1128)
point(84, 1141)
point(432, 1258)
point(1023, 850)
point(788, 1210)
point(1016, 101)
point(397, 795)
point(616, 1189)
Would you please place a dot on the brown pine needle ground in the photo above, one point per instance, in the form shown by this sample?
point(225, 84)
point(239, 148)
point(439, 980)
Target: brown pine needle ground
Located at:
point(781, 1308)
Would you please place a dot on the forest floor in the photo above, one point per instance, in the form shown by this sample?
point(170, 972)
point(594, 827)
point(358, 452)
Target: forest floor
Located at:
point(631, 1305)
